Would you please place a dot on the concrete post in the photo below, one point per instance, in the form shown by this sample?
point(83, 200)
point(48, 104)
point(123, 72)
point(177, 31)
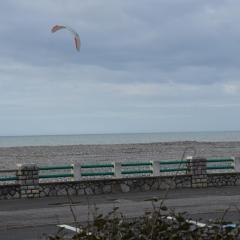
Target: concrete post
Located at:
point(188, 165)
point(117, 169)
point(28, 178)
point(199, 172)
point(76, 171)
point(236, 164)
point(155, 168)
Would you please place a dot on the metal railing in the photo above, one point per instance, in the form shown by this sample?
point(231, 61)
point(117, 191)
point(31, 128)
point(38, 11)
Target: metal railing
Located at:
point(55, 175)
point(184, 165)
point(78, 171)
point(96, 166)
point(220, 164)
point(178, 166)
point(175, 166)
point(7, 178)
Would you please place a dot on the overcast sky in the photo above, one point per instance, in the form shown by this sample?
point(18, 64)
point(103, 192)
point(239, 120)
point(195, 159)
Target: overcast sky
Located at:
point(144, 66)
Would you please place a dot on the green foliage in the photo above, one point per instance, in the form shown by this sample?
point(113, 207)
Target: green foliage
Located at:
point(153, 225)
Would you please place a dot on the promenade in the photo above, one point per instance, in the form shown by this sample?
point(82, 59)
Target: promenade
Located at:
point(31, 218)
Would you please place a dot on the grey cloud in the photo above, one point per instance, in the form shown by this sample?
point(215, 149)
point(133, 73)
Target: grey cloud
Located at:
point(116, 34)
point(188, 49)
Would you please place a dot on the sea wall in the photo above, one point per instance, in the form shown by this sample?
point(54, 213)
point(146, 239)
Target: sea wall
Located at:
point(140, 184)
point(28, 186)
point(10, 191)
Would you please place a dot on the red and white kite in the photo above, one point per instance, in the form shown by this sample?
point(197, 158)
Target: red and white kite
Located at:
point(76, 36)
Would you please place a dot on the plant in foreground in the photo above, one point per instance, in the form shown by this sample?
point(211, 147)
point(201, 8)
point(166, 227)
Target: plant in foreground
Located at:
point(158, 223)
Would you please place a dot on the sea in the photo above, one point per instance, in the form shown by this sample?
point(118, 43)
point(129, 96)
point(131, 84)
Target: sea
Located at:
point(118, 138)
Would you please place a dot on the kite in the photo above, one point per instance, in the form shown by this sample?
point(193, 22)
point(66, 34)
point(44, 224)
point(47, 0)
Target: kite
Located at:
point(76, 36)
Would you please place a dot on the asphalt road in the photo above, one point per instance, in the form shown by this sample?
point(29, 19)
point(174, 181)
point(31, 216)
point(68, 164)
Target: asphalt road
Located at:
point(35, 219)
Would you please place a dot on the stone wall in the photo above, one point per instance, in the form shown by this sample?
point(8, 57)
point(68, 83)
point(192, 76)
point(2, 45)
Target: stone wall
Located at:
point(28, 185)
point(224, 179)
point(28, 180)
point(94, 187)
point(10, 191)
point(198, 168)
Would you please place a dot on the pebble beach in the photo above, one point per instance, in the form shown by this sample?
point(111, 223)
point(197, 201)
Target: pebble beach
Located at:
point(67, 154)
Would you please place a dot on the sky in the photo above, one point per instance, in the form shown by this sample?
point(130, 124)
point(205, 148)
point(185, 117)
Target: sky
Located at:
point(143, 66)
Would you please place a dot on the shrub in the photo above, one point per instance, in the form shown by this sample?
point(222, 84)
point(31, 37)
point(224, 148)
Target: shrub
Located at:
point(153, 225)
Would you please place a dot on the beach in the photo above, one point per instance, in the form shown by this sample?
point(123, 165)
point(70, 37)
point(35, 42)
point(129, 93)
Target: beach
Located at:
point(67, 154)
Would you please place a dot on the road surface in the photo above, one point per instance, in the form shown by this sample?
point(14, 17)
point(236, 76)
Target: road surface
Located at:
point(35, 218)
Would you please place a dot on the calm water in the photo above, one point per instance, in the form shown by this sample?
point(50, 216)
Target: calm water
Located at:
point(117, 138)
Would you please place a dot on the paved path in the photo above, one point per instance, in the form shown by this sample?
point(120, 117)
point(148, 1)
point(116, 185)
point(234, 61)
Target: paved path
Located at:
point(29, 219)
